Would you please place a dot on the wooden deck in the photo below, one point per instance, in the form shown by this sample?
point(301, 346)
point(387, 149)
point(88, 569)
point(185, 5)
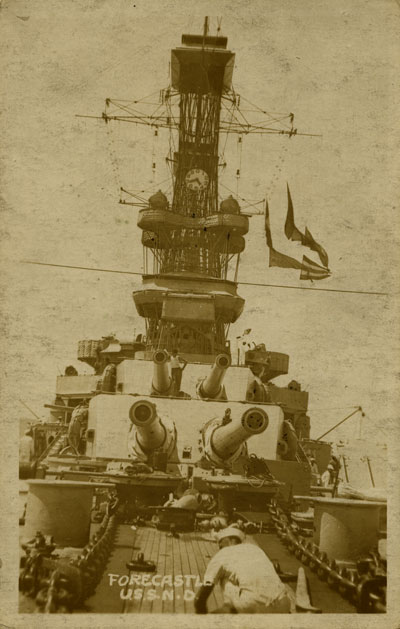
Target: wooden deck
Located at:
point(180, 566)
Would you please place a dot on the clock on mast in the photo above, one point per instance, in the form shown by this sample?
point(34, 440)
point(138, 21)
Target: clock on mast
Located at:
point(196, 179)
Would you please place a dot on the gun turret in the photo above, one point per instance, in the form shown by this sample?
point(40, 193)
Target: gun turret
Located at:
point(148, 433)
point(162, 381)
point(211, 387)
point(224, 443)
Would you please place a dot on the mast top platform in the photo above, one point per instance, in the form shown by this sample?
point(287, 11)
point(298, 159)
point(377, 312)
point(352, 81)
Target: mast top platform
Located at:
point(202, 65)
point(200, 41)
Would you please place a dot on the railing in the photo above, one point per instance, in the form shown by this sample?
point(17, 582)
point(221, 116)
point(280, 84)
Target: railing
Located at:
point(56, 441)
point(301, 456)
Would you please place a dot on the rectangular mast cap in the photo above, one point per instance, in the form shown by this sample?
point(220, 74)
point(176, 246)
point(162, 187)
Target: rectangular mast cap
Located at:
point(208, 41)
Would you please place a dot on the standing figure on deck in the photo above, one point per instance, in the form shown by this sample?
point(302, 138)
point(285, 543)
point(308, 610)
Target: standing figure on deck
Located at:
point(109, 379)
point(26, 447)
point(77, 426)
point(178, 364)
point(327, 477)
point(315, 475)
point(248, 579)
point(26, 454)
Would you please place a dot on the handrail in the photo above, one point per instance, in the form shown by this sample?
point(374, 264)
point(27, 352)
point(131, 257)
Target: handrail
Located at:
point(51, 445)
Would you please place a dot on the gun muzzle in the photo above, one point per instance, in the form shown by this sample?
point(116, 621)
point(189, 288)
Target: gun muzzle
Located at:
point(162, 381)
point(151, 433)
point(227, 440)
point(212, 387)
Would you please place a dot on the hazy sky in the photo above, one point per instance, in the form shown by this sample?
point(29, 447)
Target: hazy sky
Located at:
point(334, 64)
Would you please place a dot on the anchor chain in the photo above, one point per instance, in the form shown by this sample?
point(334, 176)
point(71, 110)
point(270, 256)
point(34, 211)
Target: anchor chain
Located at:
point(60, 586)
point(363, 583)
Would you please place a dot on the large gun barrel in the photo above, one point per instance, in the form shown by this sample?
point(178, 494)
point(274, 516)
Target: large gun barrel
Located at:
point(162, 381)
point(212, 386)
point(59, 407)
point(225, 442)
point(149, 432)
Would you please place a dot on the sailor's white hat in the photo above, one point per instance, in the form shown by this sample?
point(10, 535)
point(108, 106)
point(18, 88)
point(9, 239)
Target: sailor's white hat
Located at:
point(230, 531)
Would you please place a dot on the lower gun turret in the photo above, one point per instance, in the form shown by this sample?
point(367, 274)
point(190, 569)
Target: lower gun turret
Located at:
point(148, 432)
point(224, 443)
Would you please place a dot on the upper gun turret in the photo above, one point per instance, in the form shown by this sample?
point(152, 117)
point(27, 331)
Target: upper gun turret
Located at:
point(211, 387)
point(162, 382)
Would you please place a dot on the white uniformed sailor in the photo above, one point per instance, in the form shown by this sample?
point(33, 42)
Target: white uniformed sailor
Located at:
point(248, 578)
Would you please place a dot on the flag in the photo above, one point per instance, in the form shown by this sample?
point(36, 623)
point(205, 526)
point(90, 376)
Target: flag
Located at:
point(275, 258)
point(267, 226)
point(291, 231)
point(306, 239)
point(311, 275)
point(313, 271)
point(315, 246)
point(308, 268)
point(283, 261)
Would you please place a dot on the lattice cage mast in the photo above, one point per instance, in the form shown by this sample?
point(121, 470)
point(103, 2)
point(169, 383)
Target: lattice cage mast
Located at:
point(195, 240)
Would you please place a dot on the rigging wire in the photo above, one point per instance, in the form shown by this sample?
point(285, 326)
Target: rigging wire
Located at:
point(138, 100)
point(240, 110)
point(237, 121)
point(357, 410)
point(230, 116)
point(241, 198)
point(236, 108)
point(149, 189)
point(329, 290)
point(151, 120)
point(165, 122)
point(267, 113)
point(239, 169)
point(253, 204)
point(153, 156)
point(172, 144)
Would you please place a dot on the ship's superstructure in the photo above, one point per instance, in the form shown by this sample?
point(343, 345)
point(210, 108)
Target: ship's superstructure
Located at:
point(188, 302)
